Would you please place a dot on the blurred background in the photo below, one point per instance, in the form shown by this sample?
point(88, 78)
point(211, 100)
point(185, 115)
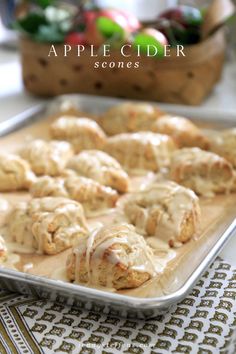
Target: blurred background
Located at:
point(145, 10)
point(12, 87)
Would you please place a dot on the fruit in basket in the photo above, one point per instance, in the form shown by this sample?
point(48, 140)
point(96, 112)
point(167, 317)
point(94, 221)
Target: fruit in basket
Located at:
point(71, 23)
point(75, 38)
point(128, 22)
point(181, 25)
point(184, 15)
point(109, 28)
point(151, 42)
point(93, 36)
point(109, 24)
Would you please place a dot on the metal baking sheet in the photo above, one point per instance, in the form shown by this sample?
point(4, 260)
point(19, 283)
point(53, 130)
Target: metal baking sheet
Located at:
point(97, 300)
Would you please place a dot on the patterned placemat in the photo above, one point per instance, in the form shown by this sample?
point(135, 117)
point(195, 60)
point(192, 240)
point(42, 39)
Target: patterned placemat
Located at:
point(203, 323)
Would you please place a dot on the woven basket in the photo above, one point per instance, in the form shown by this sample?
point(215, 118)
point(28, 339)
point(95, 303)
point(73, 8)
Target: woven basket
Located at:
point(182, 80)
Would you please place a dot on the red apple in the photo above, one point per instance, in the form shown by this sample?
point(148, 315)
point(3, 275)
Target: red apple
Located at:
point(124, 19)
point(152, 41)
point(157, 35)
point(133, 22)
point(115, 16)
point(185, 15)
point(181, 24)
point(93, 36)
point(75, 38)
point(90, 16)
point(105, 23)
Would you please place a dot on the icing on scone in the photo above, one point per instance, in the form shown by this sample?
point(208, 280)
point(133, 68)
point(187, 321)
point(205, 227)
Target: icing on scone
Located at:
point(140, 152)
point(129, 117)
point(95, 198)
point(82, 133)
point(223, 143)
point(204, 172)
point(182, 130)
point(47, 157)
point(102, 168)
point(15, 173)
point(114, 257)
point(165, 210)
point(46, 225)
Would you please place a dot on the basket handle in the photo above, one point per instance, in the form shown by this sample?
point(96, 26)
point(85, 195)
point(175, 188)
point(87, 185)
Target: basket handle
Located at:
point(216, 16)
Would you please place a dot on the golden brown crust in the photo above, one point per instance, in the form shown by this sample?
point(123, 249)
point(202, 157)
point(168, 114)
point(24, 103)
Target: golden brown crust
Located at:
point(165, 210)
point(67, 106)
point(95, 198)
point(223, 143)
point(47, 186)
point(100, 167)
point(129, 117)
point(47, 158)
point(204, 172)
point(82, 133)
point(47, 225)
point(114, 257)
point(182, 130)
point(15, 173)
point(3, 250)
point(140, 152)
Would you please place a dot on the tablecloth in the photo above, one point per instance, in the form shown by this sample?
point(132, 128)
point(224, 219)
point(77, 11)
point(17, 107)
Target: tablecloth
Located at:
point(203, 323)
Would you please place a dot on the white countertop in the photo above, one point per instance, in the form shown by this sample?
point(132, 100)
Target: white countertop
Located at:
point(14, 100)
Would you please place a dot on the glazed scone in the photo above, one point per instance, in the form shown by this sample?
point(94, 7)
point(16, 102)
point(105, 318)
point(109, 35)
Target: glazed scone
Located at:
point(129, 117)
point(165, 210)
point(113, 257)
point(82, 133)
point(95, 197)
point(67, 106)
point(62, 107)
point(204, 172)
point(3, 250)
point(223, 143)
point(182, 130)
point(140, 152)
point(233, 187)
point(100, 167)
point(47, 186)
point(46, 225)
point(15, 173)
point(47, 157)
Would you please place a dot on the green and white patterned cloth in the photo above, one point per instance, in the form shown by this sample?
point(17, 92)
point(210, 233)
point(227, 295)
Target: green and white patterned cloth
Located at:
point(203, 323)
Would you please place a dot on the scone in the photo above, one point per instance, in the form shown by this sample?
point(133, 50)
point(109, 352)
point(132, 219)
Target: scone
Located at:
point(113, 257)
point(47, 186)
point(46, 225)
point(64, 106)
point(95, 198)
point(182, 130)
point(129, 117)
point(3, 250)
point(15, 173)
point(204, 172)
point(82, 133)
point(223, 143)
point(140, 152)
point(47, 157)
point(233, 187)
point(100, 167)
point(165, 210)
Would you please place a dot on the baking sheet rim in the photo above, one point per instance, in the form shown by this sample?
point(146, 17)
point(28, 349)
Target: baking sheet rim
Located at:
point(143, 303)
